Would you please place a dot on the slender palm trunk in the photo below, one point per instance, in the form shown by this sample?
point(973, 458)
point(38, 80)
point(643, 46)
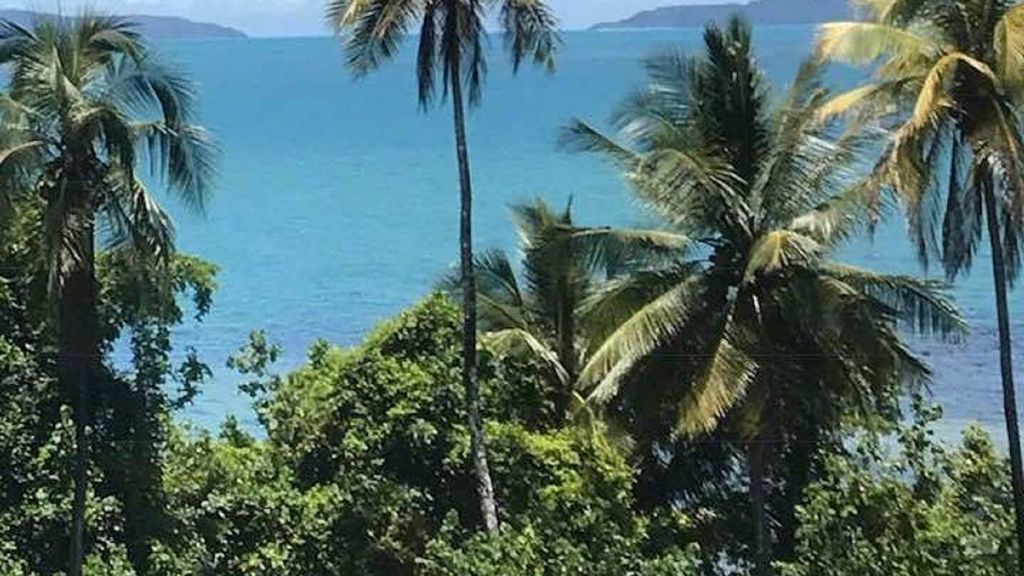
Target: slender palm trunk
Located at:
point(484, 487)
point(567, 358)
point(78, 350)
point(1006, 361)
point(756, 459)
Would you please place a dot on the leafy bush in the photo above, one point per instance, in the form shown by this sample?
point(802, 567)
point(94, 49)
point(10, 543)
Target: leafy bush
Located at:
point(924, 510)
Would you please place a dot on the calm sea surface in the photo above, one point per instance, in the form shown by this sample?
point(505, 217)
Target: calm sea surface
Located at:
point(337, 204)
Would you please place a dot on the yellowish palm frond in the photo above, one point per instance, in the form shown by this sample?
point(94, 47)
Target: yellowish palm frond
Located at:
point(650, 327)
point(934, 99)
point(779, 249)
point(850, 101)
point(1009, 48)
point(725, 380)
point(863, 43)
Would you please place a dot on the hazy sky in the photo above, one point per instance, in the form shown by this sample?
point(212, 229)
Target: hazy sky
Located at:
point(304, 17)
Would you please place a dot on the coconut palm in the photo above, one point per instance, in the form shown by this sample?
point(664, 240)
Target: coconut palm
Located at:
point(93, 107)
point(949, 83)
point(754, 328)
point(561, 264)
point(451, 47)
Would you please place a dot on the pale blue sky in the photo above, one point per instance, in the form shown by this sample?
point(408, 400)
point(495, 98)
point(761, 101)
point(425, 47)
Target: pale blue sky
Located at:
point(304, 17)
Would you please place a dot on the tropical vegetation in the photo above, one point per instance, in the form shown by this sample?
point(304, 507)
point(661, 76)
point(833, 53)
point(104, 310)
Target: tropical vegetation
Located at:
point(87, 104)
point(950, 83)
point(752, 328)
point(714, 394)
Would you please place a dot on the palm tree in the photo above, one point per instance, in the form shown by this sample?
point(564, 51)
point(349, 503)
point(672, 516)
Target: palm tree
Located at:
point(92, 106)
point(451, 43)
point(950, 82)
point(754, 328)
point(561, 264)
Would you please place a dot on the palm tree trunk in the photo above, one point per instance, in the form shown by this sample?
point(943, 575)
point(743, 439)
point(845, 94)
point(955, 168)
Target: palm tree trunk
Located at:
point(78, 351)
point(484, 486)
point(567, 358)
point(1006, 361)
point(756, 458)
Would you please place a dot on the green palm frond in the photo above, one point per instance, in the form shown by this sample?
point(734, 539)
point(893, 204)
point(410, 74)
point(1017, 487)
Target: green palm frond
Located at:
point(610, 248)
point(619, 299)
point(578, 136)
point(656, 323)
point(134, 219)
point(836, 219)
point(513, 341)
point(725, 379)
point(374, 29)
point(922, 305)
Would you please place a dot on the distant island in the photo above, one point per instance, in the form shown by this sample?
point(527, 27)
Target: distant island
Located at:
point(155, 27)
point(757, 12)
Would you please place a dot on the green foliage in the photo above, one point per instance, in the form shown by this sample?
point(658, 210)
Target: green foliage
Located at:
point(365, 469)
point(927, 509)
point(140, 301)
point(527, 552)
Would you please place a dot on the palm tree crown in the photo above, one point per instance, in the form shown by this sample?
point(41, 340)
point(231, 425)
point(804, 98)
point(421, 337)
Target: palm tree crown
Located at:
point(94, 109)
point(950, 82)
point(537, 309)
point(452, 37)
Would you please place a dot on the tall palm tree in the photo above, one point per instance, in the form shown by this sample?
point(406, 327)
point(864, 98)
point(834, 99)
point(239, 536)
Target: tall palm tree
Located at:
point(93, 107)
point(451, 43)
point(561, 264)
point(950, 83)
point(754, 328)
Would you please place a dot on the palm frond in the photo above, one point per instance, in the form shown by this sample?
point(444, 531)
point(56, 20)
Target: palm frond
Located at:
point(134, 219)
point(862, 43)
point(373, 30)
point(578, 136)
point(834, 220)
point(922, 305)
point(656, 323)
point(610, 248)
point(183, 157)
point(515, 340)
point(1009, 50)
point(723, 382)
point(619, 299)
point(780, 249)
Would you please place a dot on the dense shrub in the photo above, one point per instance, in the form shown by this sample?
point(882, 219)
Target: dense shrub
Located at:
point(920, 509)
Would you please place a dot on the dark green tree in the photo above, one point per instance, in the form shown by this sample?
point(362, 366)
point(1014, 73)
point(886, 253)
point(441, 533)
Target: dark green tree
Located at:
point(753, 329)
point(91, 105)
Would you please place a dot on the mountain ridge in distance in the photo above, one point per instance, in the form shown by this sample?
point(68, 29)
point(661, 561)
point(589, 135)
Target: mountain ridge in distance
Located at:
point(757, 12)
point(154, 27)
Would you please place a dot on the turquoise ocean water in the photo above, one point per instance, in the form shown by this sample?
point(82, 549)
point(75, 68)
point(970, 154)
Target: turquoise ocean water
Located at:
point(337, 201)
